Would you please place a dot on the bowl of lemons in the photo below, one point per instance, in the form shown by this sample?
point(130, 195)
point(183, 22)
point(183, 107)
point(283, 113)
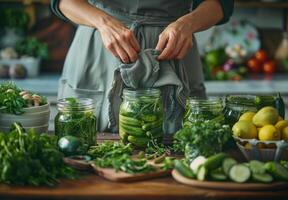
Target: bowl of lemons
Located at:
point(262, 135)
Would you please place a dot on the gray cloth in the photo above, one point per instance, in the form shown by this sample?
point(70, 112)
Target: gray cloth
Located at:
point(91, 70)
point(148, 72)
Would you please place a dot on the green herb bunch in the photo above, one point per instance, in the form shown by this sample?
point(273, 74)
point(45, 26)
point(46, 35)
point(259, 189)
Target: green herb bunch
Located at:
point(118, 156)
point(31, 159)
point(11, 100)
point(202, 138)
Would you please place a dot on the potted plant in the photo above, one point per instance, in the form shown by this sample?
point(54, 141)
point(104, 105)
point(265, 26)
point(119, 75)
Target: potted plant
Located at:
point(18, 105)
point(14, 24)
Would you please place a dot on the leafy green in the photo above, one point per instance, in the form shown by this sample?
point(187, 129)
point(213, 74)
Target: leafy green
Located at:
point(202, 138)
point(32, 47)
point(118, 156)
point(31, 159)
point(11, 101)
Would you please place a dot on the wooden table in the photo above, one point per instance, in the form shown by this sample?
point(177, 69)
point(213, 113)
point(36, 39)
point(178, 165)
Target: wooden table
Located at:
point(95, 187)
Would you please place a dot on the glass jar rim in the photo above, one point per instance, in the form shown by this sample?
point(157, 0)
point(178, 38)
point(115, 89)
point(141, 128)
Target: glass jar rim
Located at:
point(153, 92)
point(209, 100)
point(75, 104)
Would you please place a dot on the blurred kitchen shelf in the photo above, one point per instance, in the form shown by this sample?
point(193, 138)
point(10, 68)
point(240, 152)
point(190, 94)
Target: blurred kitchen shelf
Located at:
point(48, 85)
point(258, 4)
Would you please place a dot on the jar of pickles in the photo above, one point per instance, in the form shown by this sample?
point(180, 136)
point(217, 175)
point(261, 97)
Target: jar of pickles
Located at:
point(76, 118)
point(141, 117)
point(202, 109)
point(236, 105)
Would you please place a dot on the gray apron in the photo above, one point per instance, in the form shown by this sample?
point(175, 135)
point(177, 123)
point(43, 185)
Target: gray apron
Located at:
point(89, 69)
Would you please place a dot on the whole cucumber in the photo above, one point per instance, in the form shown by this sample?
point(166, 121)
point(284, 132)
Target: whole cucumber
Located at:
point(131, 130)
point(138, 141)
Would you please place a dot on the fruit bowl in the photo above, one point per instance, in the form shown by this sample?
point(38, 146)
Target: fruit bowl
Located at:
point(254, 149)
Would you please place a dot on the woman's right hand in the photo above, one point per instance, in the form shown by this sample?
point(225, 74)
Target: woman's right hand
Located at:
point(119, 40)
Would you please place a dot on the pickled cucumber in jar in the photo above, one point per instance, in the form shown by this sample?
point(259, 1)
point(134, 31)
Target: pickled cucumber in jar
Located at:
point(141, 117)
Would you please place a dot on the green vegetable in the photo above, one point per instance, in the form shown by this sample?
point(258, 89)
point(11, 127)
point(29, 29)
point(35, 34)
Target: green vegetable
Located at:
point(31, 159)
point(257, 167)
point(70, 145)
point(263, 178)
point(280, 105)
point(138, 141)
point(227, 164)
point(152, 125)
point(203, 138)
point(277, 170)
point(202, 173)
point(183, 169)
point(12, 102)
point(218, 175)
point(129, 121)
point(214, 162)
point(132, 130)
point(239, 173)
point(118, 156)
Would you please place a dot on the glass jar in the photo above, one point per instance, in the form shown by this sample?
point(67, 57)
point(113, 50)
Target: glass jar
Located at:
point(202, 109)
point(236, 105)
point(76, 117)
point(141, 117)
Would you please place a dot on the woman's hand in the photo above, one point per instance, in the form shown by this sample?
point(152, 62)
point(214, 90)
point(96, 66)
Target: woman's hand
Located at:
point(175, 40)
point(119, 40)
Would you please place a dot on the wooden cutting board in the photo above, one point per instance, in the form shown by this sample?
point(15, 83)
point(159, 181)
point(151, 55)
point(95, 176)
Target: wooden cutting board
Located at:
point(228, 185)
point(113, 175)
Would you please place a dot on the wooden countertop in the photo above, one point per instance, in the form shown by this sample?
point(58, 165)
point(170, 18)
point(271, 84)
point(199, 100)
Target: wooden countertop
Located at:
point(94, 187)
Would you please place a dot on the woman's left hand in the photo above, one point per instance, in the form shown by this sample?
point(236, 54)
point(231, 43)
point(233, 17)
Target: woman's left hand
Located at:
point(175, 40)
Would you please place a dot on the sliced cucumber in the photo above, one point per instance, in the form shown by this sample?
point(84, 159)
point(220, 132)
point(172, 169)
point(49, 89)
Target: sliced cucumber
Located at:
point(227, 164)
point(214, 162)
point(202, 173)
point(218, 175)
point(196, 163)
point(263, 178)
point(239, 173)
point(257, 167)
point(277, 171)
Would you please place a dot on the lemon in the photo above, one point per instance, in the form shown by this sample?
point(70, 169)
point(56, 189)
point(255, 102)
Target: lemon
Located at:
point(247, 116)
point(265, 116)
point(269, 132)
point(281, 124)
point(245, 130)
point(285, 133)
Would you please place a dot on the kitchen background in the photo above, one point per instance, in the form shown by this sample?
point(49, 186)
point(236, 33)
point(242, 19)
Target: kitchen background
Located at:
point(249, 55)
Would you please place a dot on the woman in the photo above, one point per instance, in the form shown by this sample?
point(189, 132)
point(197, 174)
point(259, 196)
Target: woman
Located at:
point(112, 32)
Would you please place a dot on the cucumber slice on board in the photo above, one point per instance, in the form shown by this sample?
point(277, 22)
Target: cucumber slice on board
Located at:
point(213, 162)
point(257, 167)
point(202, 173)
point(196, 163)
point(227, 164)
point(239, 173)
point(277, 170)
point(217, 175)
point(263, 178)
